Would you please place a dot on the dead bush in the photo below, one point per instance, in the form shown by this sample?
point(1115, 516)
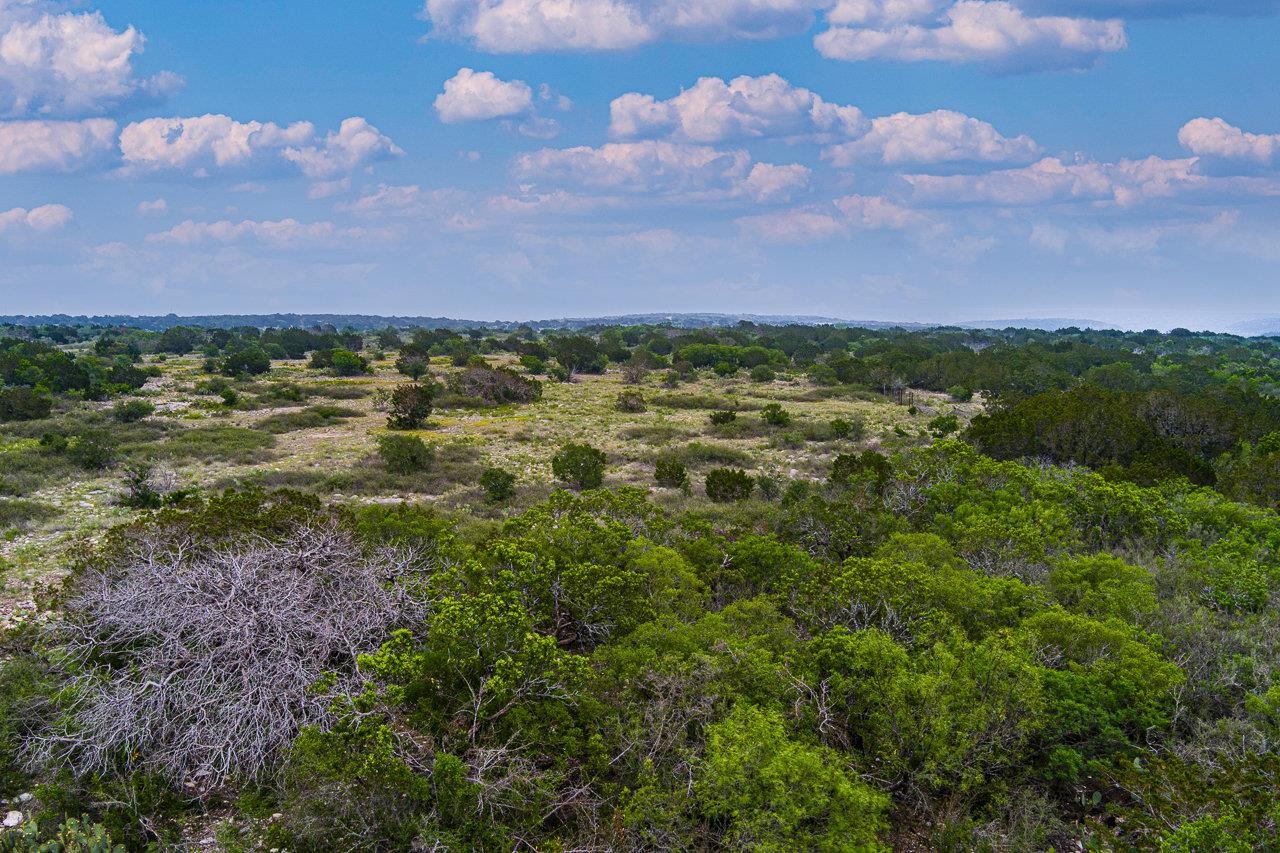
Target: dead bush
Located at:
point(202, 664)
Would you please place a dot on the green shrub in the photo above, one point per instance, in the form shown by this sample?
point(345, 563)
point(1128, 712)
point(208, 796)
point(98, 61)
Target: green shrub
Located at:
point(404, 454)
point(725, 368)
point(853, 429)
point(763, 373)
point(792, 439)
point(24, 404)
point(495, 386)
point(140, 493)
point(698, 453)
point(769, 487)
point(960, 394)
point(774, 415)
point(774, 793)
point(579, 465)
point(53, 442)
point(128, 411)
point(344, 362)
point(720, 418)
point(92, 452)
point(944, 425)
point(849, 468)
point(410, 405)
point(726, 485)
point(670, 472)
point(72, 836)
point(498, 485)
point(823, 374)
point(630, 401)
point(250, 360)
point(415, 365)
point(533, 364)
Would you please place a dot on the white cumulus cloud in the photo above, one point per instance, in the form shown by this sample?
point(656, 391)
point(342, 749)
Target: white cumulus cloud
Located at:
point(1213, 137)
point(993, 33)
point(57, 63)
point(473, 95)
point(767, 182)
point(42, 219)
point(202, 144)
point(942, 136)
point(356, 143)
point(743, 108)
point(27, 146)
point(526, 26)
point(661, 168)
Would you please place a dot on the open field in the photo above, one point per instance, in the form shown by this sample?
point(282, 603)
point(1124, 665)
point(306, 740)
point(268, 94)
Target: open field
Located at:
point(338, 459)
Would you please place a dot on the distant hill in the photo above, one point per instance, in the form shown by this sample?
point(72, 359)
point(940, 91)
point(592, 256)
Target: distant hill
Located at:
point(1048, 324)
point(1260, 327)
point(365, 322)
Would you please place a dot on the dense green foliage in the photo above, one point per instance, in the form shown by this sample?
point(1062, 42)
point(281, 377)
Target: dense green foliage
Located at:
point(933, 629)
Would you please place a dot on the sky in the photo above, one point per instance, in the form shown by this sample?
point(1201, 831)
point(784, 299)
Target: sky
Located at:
point(923, 160)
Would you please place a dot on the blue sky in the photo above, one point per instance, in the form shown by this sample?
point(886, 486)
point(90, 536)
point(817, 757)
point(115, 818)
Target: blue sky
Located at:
point(940, 160)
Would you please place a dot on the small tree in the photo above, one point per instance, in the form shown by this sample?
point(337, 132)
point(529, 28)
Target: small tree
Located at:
point(579, 465)
point(498, 485)
point(410, 405)
point(774, 415)
point(404, 454)
point(726, 485)
point(763, 373)
point(670, 472)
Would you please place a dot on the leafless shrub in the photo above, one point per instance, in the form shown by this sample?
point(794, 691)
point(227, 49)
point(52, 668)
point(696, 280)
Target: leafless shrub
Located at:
point(202, 666)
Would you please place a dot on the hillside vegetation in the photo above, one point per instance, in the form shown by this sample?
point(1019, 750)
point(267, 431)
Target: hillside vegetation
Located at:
point(639, 588)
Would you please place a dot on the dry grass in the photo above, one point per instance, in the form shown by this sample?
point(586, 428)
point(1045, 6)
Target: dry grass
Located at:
point(211, 446)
